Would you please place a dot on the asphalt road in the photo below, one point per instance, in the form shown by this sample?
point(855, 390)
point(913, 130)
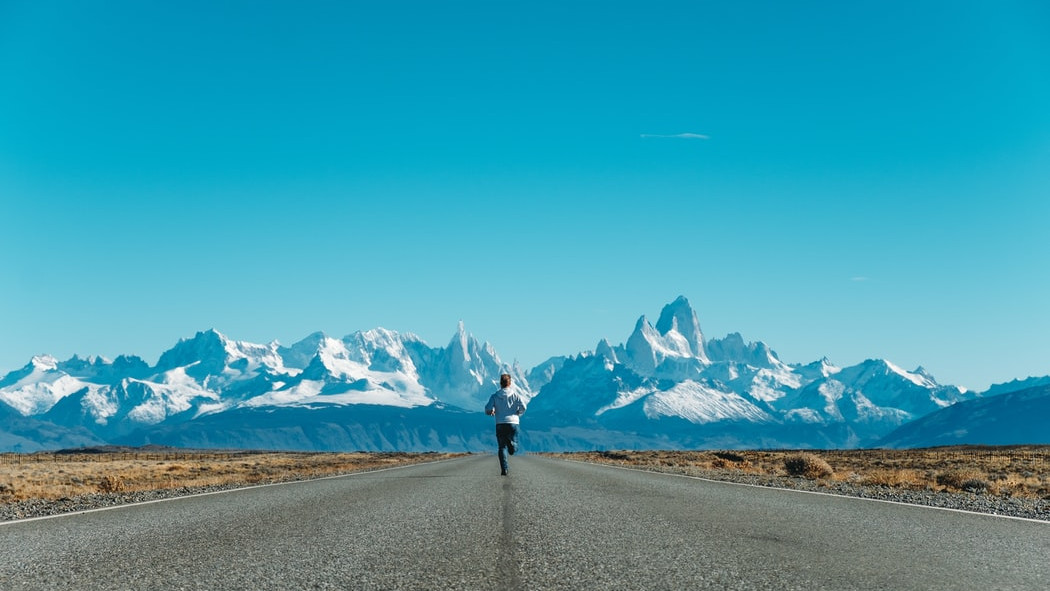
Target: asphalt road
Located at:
point(550, 525)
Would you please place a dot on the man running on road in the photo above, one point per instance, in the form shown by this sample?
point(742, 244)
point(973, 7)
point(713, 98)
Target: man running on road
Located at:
point(506, 405)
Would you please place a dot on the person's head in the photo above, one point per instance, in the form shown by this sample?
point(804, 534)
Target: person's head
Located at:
point(504, 380)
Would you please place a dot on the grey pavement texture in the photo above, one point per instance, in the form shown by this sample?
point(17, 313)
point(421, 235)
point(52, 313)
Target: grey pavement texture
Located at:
point(552, 524)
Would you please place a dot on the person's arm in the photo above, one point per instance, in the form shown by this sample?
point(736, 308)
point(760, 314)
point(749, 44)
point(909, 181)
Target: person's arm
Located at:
point(490, 408)
point(521, 406)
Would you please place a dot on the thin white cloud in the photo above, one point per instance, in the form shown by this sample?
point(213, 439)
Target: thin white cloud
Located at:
point(860, 279)
point(679, 136)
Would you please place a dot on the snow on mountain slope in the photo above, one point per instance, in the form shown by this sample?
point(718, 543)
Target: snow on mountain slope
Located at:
point(766, 385)
point(374, 369)
point(762, 385)
point(384, 350)
point(215, 360)
point(38, 386)
point(316, 392)
point(872, 398)
point(698, 403)
point(119, 408)
point(690, 400)
point(822, 368)
point(887, 385)
point(176, 393)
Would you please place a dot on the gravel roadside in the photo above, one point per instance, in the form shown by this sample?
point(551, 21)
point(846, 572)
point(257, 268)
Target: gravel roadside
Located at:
point(30, 508)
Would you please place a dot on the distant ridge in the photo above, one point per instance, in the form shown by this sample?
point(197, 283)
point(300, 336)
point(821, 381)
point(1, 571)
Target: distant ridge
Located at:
point(1013, 418)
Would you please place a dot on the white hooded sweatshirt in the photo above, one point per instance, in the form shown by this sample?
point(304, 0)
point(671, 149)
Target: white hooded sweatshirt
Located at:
point(509, 405)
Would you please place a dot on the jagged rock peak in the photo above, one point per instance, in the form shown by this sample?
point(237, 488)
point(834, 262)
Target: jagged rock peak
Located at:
point(461, 341)
point(604, 349)
point(733, 348)
point(679, 316)
point(641, 324)
point(210, 345)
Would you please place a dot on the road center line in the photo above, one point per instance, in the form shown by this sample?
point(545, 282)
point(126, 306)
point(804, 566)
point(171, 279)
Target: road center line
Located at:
point(507, 568)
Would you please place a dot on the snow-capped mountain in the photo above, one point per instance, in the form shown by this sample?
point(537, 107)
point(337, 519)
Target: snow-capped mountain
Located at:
point(734, 392)
point(465, 372)
point(363, 368)
point(212, 375)
point(666, 385)
point(38, 386)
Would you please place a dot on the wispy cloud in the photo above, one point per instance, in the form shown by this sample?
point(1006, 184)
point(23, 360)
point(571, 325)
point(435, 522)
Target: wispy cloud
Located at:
point(860, 279)
point(677, 136)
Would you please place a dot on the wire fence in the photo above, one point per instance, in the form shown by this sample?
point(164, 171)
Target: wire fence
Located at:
point(1014, 457)
point(54, 458)
point(8, 458)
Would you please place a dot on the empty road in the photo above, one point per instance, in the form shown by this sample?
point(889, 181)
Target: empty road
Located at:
point(551, 525)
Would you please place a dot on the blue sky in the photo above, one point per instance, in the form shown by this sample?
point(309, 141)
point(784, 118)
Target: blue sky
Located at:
point(857, 179)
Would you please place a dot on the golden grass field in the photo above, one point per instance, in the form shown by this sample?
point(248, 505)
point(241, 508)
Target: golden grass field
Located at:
point(65, 475)
point(1015, 471)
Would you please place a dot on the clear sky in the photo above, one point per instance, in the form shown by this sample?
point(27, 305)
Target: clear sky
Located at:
point(840, 179)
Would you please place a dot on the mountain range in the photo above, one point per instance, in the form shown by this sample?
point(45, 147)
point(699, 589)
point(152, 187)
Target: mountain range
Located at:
point(665, 386)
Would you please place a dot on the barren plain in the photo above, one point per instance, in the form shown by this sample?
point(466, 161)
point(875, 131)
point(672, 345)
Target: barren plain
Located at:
point(48, 483)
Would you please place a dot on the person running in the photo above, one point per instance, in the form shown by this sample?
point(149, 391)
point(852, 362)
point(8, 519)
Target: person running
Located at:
point(506, 405)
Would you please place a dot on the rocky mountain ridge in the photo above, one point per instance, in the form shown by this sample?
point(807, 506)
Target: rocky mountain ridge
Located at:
point(665, 385)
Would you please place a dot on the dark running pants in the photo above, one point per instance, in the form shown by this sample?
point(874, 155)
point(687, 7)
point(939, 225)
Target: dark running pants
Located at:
point(506, 437)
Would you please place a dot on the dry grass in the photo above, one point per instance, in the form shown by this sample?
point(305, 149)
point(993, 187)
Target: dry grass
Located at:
point(1014, 471)
point(808, 465)
point(57, 476)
